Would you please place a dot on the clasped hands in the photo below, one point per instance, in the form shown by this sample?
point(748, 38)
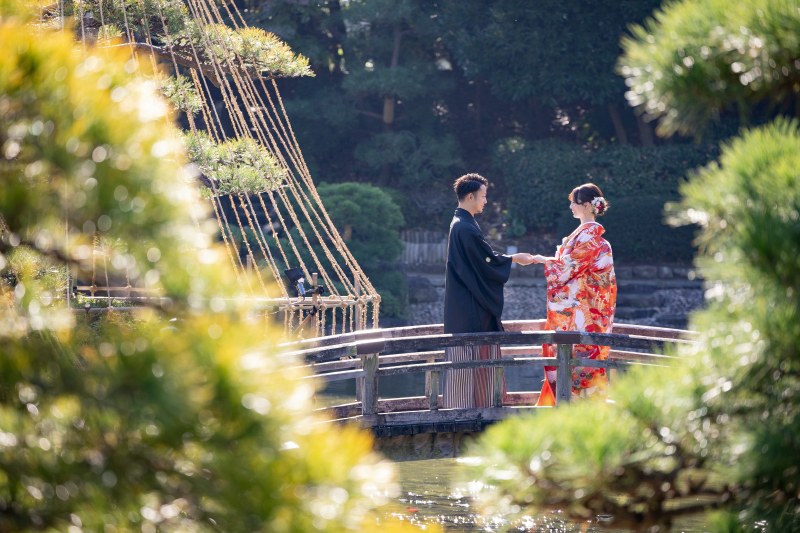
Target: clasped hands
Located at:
point(527, 259)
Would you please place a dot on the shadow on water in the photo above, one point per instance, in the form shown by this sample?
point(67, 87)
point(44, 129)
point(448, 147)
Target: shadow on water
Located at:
point(432, 494)
point(518, 379)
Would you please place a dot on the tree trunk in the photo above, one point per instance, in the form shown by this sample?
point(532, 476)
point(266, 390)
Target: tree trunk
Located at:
point(389, 103)
point(622, 135)
point(645, 132)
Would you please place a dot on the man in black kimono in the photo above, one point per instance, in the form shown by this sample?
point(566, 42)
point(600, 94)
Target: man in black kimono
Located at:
point(473, 300)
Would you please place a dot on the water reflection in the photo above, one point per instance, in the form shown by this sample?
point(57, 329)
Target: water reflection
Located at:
point(433, 494)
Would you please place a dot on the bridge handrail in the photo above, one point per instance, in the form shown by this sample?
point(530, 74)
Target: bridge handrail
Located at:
point(438, 329)
point(503, 338)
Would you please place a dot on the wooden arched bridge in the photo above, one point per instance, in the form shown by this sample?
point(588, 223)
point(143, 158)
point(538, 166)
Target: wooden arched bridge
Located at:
point(371, 354)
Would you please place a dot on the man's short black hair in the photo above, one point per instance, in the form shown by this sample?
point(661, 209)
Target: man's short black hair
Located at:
point(468, 183)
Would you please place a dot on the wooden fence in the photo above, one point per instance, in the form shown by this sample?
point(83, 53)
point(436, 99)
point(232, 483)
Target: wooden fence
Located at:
point(428, 247)
point(371, 354)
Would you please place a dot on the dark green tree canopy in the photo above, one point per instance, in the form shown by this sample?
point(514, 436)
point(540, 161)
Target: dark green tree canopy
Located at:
point(549, 50)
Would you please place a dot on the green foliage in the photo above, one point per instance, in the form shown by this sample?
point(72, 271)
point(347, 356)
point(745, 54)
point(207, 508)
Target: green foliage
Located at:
point(695, 58)
point(169, 25)
point(418, 159)
point(373, 220)
point(554, 51)
point(154, 421)
point(636, 181)
point(181, 94)
point(637, 230)
point(723, 420)
point(237, 166)
point(70, 155)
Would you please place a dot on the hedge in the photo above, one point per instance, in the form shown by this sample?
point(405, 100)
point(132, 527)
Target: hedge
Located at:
point(636, 181)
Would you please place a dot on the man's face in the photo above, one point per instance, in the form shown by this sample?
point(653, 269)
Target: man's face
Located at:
point(477, 200)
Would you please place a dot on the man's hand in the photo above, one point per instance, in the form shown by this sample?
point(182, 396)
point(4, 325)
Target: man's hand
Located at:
point(522, 259)
point(541, 259)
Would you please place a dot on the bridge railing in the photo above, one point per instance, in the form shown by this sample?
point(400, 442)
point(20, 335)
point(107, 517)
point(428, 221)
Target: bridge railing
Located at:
point(371, 354)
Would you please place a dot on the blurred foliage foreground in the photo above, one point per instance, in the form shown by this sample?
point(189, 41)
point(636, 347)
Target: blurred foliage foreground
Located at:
point(720, 428)
point(137, 422)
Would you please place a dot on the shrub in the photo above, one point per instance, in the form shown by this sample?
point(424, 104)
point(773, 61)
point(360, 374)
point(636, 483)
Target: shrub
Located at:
point(637, 232)
point(139, 423)
point(724, 420)
point(637, 182)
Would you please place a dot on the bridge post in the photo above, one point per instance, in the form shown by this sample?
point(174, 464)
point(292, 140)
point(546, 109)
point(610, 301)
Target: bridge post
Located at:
point(564, 375)
point(433, 391)
point(497, 387)
point(369, 392)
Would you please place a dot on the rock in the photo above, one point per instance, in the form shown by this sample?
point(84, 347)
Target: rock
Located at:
point(637, 300)
point(681, 272)
point(391, 322)
point(665, 272)
point(645, 272)
point(672, 321)
point(623, 272)
point(421, 290)
point(637, 288)
point(631, 313)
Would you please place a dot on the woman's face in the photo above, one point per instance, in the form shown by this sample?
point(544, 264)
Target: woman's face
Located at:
point(578, 210)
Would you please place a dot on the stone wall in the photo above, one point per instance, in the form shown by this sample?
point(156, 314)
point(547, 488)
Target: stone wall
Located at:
point(650, 301)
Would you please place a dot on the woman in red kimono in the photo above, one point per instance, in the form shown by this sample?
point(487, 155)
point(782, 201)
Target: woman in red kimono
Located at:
point(581, 294)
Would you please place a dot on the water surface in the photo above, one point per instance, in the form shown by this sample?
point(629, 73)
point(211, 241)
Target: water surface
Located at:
point(433, 493)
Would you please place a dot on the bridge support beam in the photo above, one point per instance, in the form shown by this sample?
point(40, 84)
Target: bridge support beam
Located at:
point(433, 390)
point(564, 375)
point(369, 392)
point(497, 387)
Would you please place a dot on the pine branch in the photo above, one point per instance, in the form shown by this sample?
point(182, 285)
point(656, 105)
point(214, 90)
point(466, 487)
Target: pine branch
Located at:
point(207, 69)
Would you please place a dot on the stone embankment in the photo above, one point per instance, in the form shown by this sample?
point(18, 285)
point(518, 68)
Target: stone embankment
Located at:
point(647, 295)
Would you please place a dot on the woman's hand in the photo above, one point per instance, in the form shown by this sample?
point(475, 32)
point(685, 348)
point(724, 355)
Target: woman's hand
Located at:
point(522, 259)
point(541, 259)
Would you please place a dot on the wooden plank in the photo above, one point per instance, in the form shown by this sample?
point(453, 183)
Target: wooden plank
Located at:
point(456, 365)
point(323, 354)
point(428, 380)
point(369, 392)
point(108, 309)
point(337, 376)
point(437, 329)
point(430, 342)
point(433, 394)
point(564, 375)
point(652, 331)
point(599, 363)
point(620, 355)
point(508, 353)
point(521, 398)
point(497, 387)
point(442, 415)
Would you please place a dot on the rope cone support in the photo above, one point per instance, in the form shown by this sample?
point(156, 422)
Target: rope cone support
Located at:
point(292, 227)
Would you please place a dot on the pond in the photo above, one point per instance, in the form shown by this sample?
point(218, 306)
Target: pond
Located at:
point(432, 492)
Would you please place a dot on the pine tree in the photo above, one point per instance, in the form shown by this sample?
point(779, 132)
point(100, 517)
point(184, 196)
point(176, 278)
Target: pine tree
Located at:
point(180, 416)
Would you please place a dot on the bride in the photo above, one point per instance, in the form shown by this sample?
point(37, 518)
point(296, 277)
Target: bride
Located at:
point(581, 294)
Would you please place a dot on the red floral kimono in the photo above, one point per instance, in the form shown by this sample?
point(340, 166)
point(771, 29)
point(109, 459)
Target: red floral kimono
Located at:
point(581, 296)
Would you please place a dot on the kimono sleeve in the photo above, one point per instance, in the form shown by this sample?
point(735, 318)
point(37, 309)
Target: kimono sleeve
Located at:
point(571, 265)
point(489, 269)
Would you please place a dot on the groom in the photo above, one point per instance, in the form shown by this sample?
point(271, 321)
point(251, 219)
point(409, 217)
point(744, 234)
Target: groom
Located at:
point(473, 299)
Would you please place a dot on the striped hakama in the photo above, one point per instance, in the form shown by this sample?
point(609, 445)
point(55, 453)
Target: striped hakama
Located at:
point(468, 388)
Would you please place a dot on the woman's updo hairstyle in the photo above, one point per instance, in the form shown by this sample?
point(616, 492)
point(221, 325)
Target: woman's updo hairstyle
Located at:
point(590, 193)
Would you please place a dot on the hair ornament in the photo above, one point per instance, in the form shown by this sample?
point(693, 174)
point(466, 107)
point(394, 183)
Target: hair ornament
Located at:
point(599, 204)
